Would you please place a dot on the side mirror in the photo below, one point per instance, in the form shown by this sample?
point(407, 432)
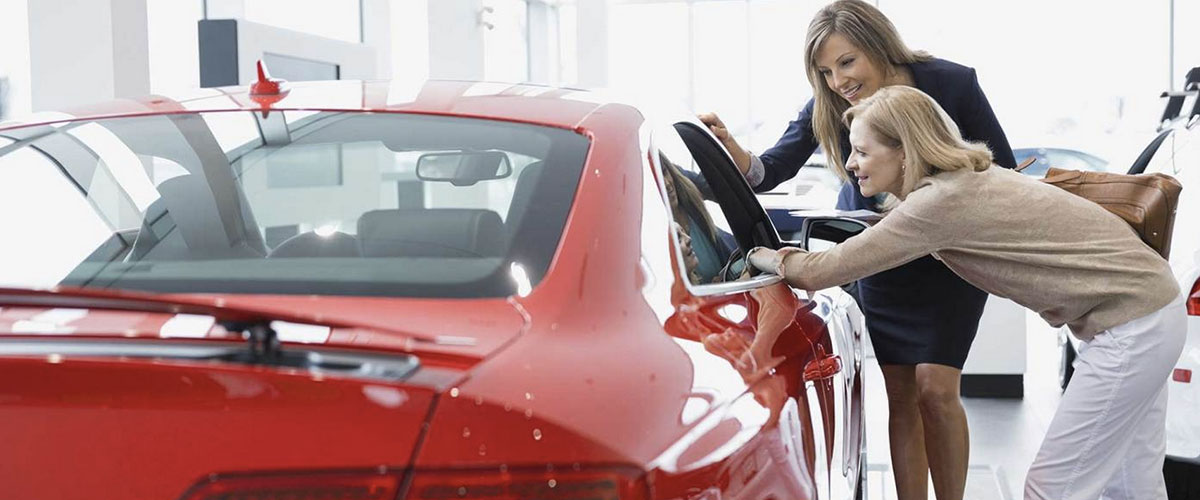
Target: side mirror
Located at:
point(463, 168)
point(822, 233)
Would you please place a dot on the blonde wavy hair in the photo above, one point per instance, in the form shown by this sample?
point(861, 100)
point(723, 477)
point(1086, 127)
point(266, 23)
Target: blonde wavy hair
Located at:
point(870, 31)
point(904, 117)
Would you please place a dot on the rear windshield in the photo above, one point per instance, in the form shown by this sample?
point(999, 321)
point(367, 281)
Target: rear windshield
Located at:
point(296, 202)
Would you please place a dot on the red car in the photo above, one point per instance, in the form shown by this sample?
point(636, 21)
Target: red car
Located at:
point(347, 290)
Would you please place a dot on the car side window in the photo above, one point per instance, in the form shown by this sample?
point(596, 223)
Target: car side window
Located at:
point(701, 228)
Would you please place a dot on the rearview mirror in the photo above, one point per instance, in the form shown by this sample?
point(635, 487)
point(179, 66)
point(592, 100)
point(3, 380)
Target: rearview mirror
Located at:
point(463, 168)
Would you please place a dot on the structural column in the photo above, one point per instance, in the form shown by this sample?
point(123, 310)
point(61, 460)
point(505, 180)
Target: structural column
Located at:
point(377, 34)
point(456, 40)
point(592, 43)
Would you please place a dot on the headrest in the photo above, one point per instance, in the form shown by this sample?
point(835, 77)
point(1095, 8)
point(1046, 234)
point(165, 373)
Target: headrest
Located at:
point(311, 244)
point(441, 232)
point(523, 193)
point(192, 221)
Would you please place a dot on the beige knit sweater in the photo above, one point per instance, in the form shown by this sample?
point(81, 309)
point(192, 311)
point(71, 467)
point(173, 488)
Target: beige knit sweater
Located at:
point(1066, 258)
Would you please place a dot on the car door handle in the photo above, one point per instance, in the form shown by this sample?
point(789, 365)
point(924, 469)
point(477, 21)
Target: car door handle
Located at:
point(821, 368)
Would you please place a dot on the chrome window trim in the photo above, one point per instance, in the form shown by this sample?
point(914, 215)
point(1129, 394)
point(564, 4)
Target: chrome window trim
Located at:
point(754, 283)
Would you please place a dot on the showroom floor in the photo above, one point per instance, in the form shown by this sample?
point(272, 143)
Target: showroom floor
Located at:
point(1005, 433)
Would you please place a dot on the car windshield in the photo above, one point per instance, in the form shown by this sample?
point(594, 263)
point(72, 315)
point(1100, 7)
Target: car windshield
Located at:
point(291, 202)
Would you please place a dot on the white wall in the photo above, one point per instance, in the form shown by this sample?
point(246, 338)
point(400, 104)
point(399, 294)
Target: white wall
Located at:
point(84, 51)
point(357, 61)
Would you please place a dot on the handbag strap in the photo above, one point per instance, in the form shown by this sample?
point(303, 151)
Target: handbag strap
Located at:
point(1025, 164)
point(1054, 175)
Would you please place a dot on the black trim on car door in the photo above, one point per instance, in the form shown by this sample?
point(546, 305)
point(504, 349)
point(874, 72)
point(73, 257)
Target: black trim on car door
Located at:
point(747, 219)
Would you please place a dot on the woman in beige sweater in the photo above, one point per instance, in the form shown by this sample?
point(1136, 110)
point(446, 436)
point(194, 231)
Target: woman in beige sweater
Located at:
point(1066, 258)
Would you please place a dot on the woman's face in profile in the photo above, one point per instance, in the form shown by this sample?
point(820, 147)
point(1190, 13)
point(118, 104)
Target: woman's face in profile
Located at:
point(847, 70)
point(873, 162)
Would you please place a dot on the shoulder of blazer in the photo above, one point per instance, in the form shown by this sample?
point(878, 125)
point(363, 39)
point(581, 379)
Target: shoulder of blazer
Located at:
point(944, 81)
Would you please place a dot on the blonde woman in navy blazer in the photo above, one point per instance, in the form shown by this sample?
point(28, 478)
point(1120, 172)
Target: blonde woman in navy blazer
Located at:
point(921, 317)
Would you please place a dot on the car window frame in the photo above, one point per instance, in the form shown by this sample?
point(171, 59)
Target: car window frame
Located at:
point(732, 195)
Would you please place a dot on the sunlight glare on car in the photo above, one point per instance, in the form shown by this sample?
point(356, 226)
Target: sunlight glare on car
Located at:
point(521, 279)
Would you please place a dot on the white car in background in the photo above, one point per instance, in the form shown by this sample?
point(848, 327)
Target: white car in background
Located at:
point(1179, 156)
point(815, 187)
point(1176, 152)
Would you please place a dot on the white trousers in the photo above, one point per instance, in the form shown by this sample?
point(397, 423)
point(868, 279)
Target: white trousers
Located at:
point(1106, 439)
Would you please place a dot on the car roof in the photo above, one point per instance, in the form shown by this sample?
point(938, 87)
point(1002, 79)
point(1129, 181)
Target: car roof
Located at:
point(527, 103)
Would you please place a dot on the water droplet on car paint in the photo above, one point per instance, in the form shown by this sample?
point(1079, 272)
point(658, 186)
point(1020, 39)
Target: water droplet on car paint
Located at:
point(553, 326)
point(537, 434)
point(503, 468)
point(462, 491)
point(507, 406)
point(575, 466)
point(528, 414)
point(528, 397)
point(382, 469)
point(454, 392)
point(466, 432)
point(549, 467)
point(478, 400)
point(551, 483)
point(482, 450)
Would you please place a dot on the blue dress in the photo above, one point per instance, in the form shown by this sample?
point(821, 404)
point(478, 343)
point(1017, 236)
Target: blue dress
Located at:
point(920, 312)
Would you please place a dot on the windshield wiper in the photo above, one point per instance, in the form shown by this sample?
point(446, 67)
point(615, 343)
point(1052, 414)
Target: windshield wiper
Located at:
point(262, 340)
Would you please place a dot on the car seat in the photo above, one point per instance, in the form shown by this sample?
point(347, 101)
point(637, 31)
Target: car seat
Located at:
point(440, 232)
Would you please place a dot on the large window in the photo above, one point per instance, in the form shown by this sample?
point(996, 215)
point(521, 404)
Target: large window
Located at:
point(505, 40)
point(739, 58)
point(1083, 77)
point(15, 97)
point(337, 19)
point(1187, 38)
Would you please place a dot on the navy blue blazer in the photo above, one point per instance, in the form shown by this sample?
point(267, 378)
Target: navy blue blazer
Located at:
point(952, 85)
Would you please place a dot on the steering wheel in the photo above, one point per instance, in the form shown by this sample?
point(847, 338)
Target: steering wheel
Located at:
point(736, 265)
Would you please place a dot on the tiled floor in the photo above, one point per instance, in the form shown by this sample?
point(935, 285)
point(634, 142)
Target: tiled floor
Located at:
point(1005, 433)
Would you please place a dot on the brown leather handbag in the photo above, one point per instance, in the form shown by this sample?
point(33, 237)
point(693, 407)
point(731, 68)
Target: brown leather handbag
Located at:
point(1146, 201)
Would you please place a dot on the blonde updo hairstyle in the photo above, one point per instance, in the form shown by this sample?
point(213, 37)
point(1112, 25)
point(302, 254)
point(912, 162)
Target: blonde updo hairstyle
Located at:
point(870, 31)
point(904, 117)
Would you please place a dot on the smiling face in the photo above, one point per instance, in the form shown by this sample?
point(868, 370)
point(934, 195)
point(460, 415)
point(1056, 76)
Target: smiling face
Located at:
point(876, 164)
point(847, 70)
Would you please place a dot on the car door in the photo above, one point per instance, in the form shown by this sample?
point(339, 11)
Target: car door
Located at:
point(776, 339)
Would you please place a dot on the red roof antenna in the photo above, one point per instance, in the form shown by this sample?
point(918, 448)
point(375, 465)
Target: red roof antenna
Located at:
point(265, 84)
point(267, 91)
